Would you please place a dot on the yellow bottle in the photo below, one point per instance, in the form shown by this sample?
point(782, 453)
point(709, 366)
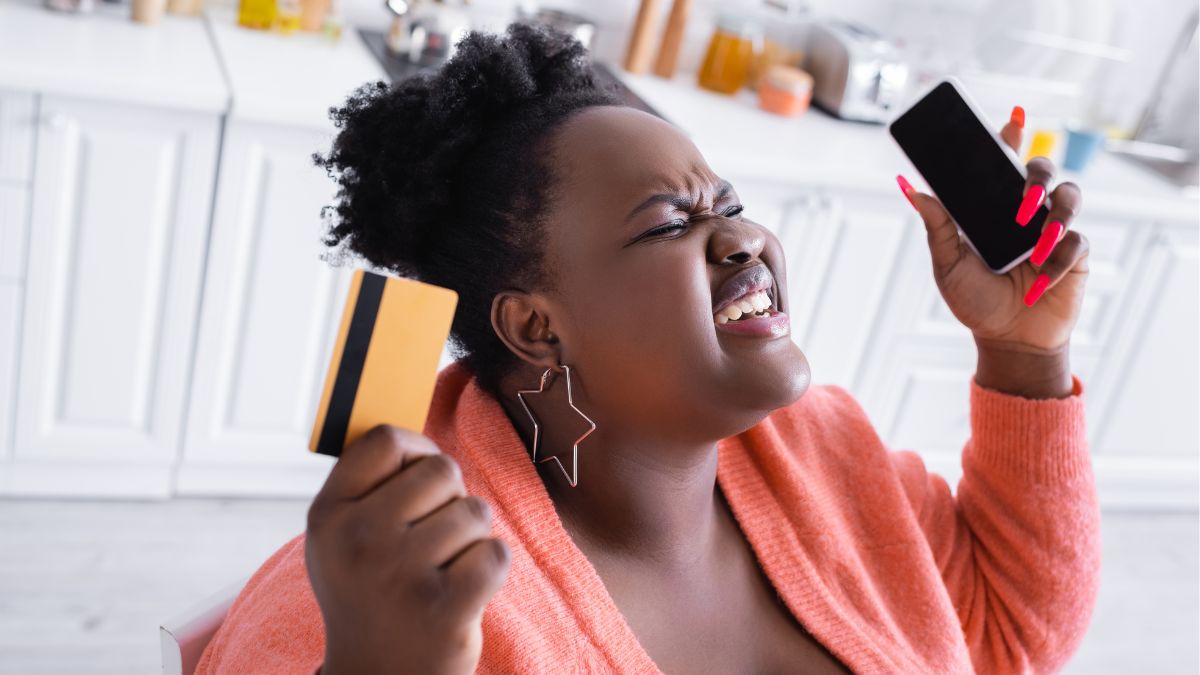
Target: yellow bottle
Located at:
point(288, 15)
point(259, 14)
point(1041, 145)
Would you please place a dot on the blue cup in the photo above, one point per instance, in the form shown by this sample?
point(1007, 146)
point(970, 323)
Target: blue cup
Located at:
point(1081, 146)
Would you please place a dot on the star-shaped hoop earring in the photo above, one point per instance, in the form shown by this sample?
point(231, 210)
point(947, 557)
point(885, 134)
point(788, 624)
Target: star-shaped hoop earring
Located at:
point(573, 477)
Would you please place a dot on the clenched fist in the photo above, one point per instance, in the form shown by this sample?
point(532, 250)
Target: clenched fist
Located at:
point(400, 559)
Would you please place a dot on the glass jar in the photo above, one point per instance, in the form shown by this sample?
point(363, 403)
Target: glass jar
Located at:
point(785, 90)
point(784, 43)
point(730, 53)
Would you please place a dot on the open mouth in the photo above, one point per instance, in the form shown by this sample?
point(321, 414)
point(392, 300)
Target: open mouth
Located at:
point(756, 304)
point(747, 304)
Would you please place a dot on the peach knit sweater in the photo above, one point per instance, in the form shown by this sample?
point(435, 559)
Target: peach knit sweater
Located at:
point(869, 551)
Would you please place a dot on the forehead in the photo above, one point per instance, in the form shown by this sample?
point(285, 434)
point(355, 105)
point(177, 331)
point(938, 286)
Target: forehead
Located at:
point(619, 153)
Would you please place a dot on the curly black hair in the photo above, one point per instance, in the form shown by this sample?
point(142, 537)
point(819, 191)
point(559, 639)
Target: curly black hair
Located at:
point(443, 177)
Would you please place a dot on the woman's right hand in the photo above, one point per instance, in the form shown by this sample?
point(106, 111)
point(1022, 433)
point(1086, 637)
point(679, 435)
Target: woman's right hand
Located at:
point(400, 559)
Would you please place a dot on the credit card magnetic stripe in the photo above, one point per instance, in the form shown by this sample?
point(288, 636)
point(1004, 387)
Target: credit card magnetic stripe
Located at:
point(337, 401)
point(385, 363)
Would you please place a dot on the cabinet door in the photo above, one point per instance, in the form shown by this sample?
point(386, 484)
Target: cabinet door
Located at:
point(18, 111)
point(18, 121)
point(857, 245)
point(10, 296)
point(271, 311)
point(119, 215)
point(1154, 400)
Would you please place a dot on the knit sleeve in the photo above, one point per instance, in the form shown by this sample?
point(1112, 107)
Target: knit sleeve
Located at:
point(1018, 546)
point(274, 625)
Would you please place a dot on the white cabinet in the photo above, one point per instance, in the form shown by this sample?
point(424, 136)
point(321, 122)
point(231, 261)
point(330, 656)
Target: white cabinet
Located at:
point(18, 114)
point(10, 312)
point(120, 204)
point(271, 311)
point(1152, 382)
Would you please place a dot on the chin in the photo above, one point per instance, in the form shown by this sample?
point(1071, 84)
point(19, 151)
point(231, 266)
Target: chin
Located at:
point(772, 389)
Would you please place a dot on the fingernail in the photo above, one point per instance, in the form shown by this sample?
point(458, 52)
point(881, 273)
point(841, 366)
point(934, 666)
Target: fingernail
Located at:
point(1018, 116)
point(1045, 243)
point(1036, 290)
point(1029, 205)
point(906, 188)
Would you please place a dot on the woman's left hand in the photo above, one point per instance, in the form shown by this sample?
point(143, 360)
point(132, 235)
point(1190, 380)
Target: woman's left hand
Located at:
point(1008, 309)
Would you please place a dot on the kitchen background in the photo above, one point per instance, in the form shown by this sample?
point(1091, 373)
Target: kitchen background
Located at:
point(166, 317)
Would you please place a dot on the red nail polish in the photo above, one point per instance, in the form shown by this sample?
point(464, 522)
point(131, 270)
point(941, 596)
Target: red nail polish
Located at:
point(1036, 290)
point(907, 189)
point(1018, 116)
point(1046, 243)
point(1029, 205)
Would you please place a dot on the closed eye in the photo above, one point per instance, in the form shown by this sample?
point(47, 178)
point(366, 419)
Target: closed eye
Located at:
point(682, 224)
point(669, 227)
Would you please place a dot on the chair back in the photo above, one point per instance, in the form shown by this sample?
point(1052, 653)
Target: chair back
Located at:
point(184, 636)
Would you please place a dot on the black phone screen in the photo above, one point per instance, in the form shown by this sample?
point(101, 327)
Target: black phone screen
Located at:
point(969, 172)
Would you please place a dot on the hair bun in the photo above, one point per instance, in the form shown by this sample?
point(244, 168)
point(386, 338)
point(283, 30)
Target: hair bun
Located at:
point(442, 176)
point(401, 143)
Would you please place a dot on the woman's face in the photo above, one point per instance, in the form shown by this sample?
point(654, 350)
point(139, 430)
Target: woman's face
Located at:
point(633, 307)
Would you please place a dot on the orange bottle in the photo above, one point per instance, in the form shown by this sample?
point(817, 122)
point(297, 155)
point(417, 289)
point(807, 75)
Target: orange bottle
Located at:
point(730, 53)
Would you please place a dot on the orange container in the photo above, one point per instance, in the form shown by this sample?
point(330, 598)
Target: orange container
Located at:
point(730, 54)
point(785, 90)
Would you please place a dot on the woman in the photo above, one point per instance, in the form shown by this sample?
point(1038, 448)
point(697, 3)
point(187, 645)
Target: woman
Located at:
point(693, 505)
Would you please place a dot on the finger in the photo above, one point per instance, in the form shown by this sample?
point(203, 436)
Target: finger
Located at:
point(944, 244)
point(443, 534)
point(1039, 174)
point(1011, 132)
point(1066, 255)
point(372, 459)
point(1066, 201)
point(418, 490)
point(476, 574)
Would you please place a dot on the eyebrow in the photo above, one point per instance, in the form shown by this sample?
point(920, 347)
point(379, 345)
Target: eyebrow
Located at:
point(679, 201)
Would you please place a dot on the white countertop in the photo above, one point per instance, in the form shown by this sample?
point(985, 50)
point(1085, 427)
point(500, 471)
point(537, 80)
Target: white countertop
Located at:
point(289, 79)
point(105, 55)
point(740, 139)
point(255, 75)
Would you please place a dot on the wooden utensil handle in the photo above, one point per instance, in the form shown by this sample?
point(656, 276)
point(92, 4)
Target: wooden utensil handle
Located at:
point(672, 40)
point(637, 59)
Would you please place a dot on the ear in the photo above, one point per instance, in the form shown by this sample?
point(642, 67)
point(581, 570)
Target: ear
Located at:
point(522, 323)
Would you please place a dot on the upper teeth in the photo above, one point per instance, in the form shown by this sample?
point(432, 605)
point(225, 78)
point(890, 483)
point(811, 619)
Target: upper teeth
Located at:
point(747, 304)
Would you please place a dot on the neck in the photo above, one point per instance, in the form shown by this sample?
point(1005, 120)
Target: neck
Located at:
point(648, 503)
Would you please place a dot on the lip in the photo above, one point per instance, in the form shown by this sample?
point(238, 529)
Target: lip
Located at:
point(749, 280)
point(775, 325)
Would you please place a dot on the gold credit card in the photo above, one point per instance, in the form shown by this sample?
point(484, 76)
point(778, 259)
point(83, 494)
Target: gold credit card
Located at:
point(385, 361)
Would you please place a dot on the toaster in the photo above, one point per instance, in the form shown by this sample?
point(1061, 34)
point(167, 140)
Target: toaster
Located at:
point(857, 73)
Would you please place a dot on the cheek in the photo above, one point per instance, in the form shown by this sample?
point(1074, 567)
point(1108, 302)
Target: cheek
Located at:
point(662, 310)
point(647, 315)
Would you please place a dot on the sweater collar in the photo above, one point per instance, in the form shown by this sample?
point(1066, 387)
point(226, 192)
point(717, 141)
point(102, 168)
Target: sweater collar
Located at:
point(498, 463)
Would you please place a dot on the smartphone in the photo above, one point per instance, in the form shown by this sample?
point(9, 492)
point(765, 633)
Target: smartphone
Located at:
point(969, 168)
